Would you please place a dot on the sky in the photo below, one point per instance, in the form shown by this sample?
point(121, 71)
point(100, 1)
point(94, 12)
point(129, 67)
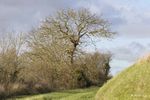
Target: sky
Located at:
point(129, 18)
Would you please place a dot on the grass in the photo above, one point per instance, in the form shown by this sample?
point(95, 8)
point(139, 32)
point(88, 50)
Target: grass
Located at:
point(131, 84)
point(78, 94)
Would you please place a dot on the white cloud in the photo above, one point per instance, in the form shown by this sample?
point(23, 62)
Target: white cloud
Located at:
point(127, 17)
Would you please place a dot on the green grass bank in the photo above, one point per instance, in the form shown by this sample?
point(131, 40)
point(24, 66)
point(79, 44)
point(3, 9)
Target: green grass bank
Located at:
point(131, 84)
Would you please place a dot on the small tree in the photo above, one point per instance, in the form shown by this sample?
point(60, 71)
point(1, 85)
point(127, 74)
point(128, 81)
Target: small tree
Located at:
point(10, 63)
point(74, 26)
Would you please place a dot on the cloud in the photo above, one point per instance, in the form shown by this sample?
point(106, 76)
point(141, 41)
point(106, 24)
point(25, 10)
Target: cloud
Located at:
point(106, 9)
point(22, 15)
point(130, 52)
point(128, 17)
point(126, 55)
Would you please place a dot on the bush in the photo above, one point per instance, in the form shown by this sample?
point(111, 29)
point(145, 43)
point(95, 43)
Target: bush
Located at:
point(92, 69)
point(42, 77)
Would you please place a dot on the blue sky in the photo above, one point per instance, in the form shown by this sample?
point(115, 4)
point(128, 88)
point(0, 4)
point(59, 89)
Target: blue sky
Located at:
point(129, 18)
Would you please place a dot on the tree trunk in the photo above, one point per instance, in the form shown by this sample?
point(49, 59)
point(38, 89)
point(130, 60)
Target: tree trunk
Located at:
point(107, 68)
point(72, 54)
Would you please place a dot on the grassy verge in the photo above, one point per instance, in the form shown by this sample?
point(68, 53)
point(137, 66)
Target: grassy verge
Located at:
point(131, 84)
point(78, 94)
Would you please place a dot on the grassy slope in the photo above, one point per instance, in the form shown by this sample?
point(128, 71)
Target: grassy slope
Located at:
point(78, 94)
point(131, 84)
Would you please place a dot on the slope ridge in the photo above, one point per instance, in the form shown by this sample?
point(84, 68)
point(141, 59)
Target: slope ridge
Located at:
point(131, 84)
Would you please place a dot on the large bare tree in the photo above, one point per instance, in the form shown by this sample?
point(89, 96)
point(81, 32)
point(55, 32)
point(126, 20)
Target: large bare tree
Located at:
point(76, 25)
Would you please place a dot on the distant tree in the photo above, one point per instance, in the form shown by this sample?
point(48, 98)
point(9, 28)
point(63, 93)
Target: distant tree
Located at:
point(75, 26)
point(10, 62)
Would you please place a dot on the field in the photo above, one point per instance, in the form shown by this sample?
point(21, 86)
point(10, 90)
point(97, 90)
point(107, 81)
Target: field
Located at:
point(77, 94)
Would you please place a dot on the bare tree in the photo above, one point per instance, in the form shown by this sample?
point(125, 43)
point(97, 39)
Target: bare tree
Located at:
point(74, 26)
point(55, 46)
point(10, 49)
